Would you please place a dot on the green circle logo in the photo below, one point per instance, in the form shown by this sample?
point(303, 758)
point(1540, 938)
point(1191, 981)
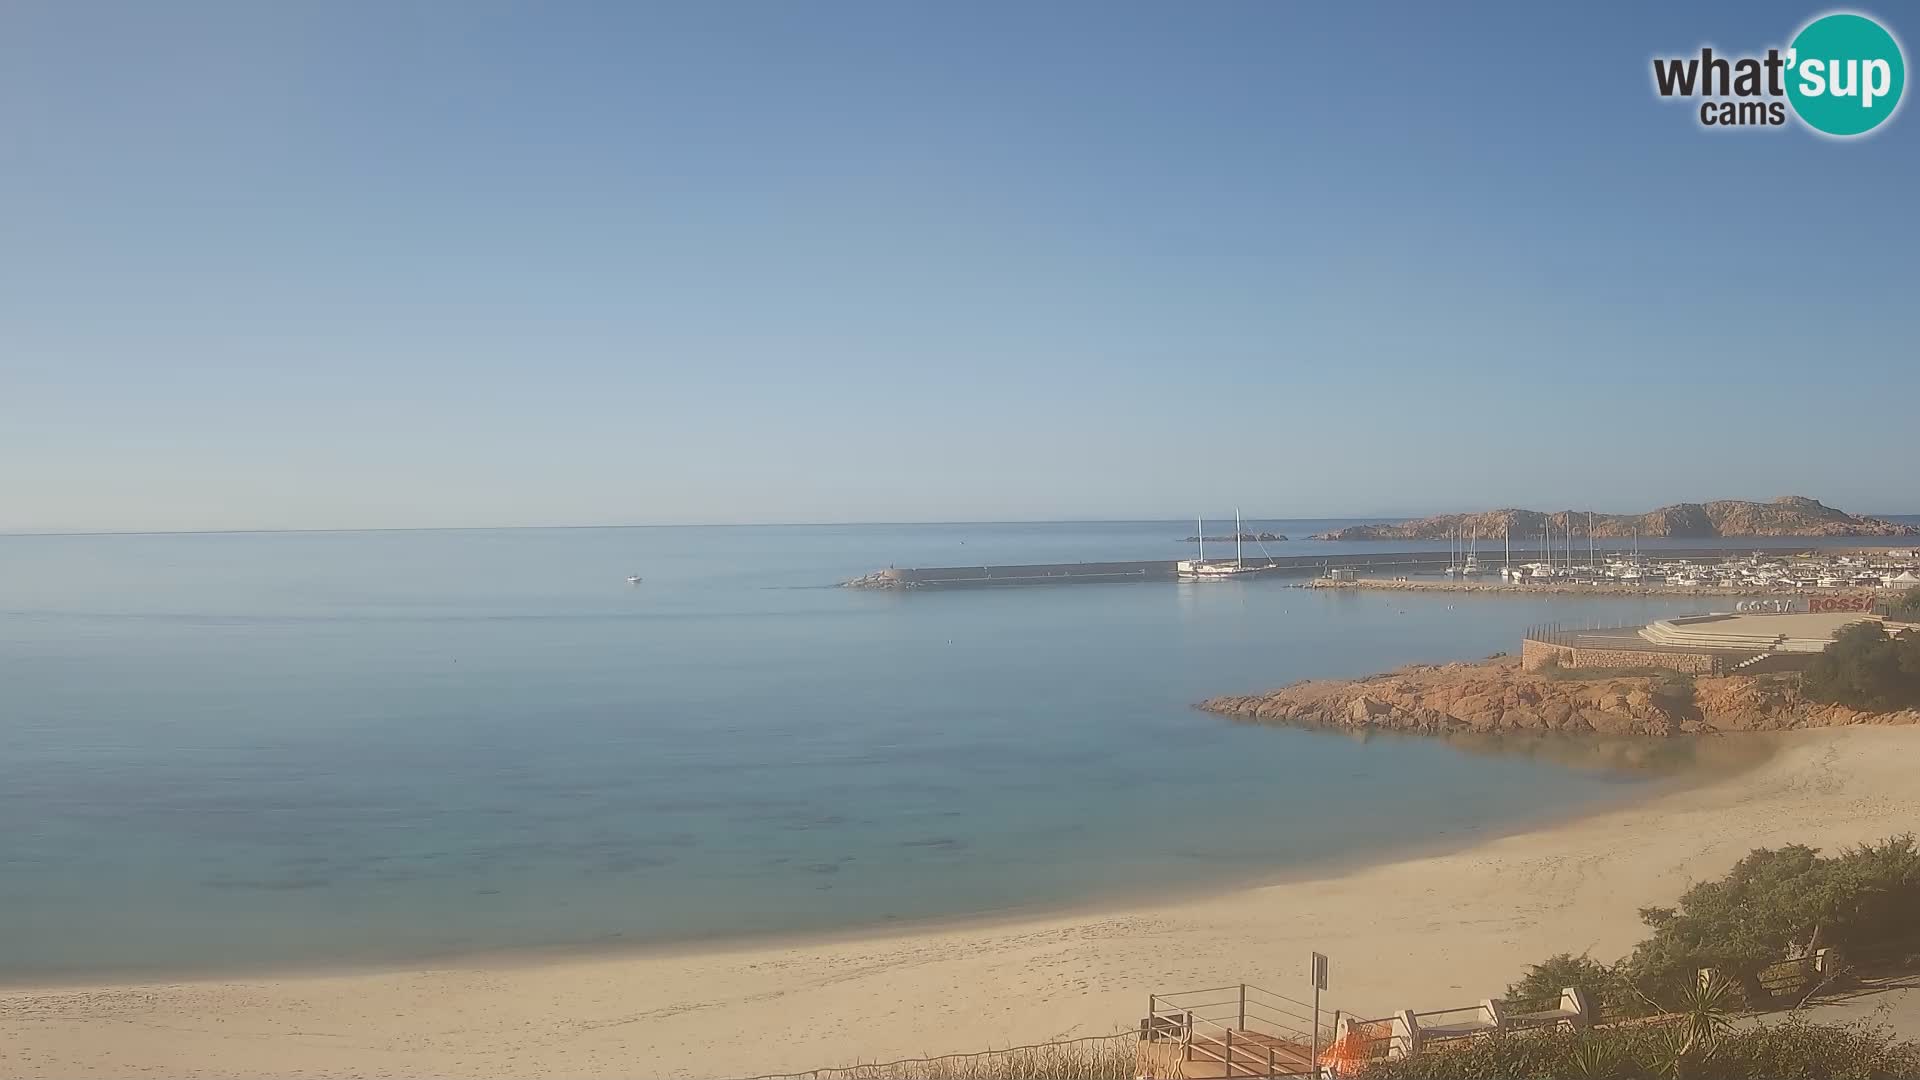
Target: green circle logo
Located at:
point(1845, 74)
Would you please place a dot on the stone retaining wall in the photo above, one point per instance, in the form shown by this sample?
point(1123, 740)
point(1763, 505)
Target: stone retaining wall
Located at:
point(1535, 655)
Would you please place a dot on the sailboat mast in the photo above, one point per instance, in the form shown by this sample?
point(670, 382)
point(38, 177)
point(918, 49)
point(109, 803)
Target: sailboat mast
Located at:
point(1236, 536)
point(1200, 535)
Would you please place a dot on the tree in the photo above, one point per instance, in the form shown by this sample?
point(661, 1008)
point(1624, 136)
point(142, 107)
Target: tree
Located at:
point(1864, 668)
point(1738, 925)
point(1776, 903)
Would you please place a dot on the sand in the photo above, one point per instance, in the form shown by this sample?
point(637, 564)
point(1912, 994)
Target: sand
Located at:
point(1423, 932)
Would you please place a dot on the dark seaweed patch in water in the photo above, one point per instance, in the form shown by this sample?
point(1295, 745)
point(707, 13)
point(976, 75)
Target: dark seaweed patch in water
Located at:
point(943, 843)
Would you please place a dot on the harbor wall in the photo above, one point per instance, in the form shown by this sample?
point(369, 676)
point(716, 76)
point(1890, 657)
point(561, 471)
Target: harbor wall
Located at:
point(1164, 569)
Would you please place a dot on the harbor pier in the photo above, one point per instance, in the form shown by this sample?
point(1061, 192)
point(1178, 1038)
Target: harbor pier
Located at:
point(1090, 573)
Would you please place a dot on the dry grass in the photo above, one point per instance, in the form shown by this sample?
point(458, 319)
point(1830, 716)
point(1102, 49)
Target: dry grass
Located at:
point(1105, 1057)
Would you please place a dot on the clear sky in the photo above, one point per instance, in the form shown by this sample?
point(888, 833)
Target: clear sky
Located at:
point(352, 264)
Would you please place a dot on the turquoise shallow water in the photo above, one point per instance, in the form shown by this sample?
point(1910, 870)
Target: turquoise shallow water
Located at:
point(256, 750)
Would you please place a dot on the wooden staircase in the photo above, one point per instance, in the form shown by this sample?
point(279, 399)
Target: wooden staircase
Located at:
point(1227, 1033)
point(1245, 1054)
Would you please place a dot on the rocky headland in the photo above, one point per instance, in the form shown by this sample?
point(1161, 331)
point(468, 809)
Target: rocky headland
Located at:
point(1495, 697)
point(1789, 515)
point(1230, 537)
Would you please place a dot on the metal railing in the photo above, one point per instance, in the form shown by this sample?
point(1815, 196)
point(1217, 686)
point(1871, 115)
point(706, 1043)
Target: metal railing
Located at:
point(1243, 1030)
point(1379, 1037)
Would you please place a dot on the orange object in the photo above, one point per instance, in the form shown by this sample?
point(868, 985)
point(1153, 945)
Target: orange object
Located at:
point(1350, 1052)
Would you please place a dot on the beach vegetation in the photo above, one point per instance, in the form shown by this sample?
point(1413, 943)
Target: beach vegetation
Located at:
point(1866, 668)
point(1908, 603)
point(1793, 1049)
point(1775, 906)
point(1604, 985)
point(1107, 1057)
point(1757, 927)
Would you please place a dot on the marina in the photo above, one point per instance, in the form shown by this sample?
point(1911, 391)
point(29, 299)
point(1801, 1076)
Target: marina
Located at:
point(1716, 571)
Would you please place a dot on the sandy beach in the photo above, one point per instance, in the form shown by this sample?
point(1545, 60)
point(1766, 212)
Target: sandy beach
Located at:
point(1423, 932)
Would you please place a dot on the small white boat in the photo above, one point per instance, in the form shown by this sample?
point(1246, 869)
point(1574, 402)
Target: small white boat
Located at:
point(633, 579)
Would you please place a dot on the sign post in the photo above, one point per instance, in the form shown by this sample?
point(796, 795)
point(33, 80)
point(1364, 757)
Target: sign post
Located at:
point(1319, 984)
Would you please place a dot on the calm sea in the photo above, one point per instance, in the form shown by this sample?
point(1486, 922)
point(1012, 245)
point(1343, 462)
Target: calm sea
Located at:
point(233, 751)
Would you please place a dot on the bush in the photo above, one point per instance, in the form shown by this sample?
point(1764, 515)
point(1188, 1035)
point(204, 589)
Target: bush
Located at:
point(1774, 905)
point(1866, 669)
point(1798, 1050)
point(1607, 989)
point(1774, 902)
point(1908, 603)
point(1095, 1058)
point(1793, 1050)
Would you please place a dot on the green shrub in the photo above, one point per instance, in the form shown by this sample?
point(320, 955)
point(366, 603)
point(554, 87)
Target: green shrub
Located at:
point(1866, 669)
point(1793, 1050)
point(1607, 989)
point(1798, 1050)
point(1773, 902)
point(1098, 1058)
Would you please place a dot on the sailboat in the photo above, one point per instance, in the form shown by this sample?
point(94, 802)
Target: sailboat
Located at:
point(1199, 569)
point(1472, 567)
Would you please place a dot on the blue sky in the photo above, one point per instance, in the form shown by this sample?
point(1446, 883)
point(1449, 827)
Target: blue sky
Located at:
point(367, 264)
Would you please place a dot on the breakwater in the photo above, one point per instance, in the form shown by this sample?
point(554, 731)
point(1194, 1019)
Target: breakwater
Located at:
point(1090, 573)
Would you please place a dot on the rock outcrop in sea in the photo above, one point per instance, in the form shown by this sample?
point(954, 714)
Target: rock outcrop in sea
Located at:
point(1496, 697)
point(1789, 515)
point(1262, 537)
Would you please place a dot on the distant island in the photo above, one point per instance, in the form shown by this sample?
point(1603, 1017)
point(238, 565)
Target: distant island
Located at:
point(1257, 538)
point(1789, 515)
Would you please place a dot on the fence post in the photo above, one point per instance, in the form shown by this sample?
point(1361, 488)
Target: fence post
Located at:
point(1270, 1072)
point(1229, 1054)
point(1407, 1027)
point(1574, 1000)
point(1242, 1025)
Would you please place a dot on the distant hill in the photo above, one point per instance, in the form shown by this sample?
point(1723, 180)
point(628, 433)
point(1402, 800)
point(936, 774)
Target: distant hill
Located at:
point(1789, 515)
